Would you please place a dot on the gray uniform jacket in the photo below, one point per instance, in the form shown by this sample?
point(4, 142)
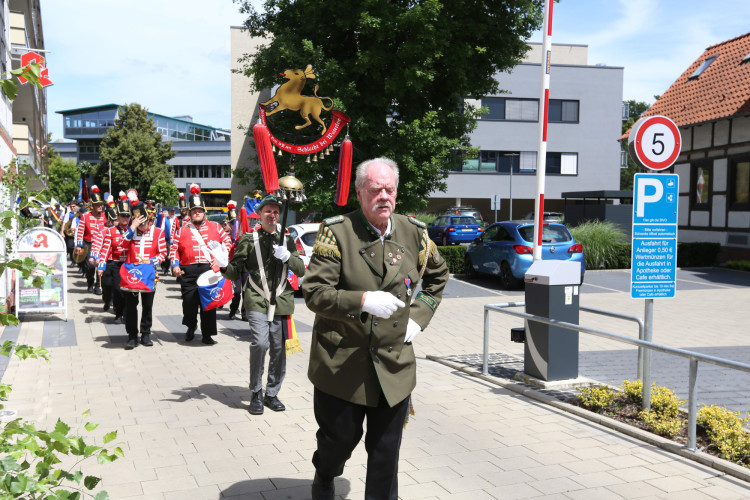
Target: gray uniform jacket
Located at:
point(354, 356)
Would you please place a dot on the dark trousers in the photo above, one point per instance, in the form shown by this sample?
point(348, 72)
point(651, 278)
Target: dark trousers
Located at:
point(165, 266)
point(111, 292)
point(238, 287)
point(340, 429)
point(191, 302)
point(88, 269)
point(70, 245)
point(131, 312)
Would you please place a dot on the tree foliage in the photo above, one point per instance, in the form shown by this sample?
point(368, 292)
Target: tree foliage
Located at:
point(164, 192)
point(400, 69)
point(637, 108)
point(63, 177)
point(136, 152)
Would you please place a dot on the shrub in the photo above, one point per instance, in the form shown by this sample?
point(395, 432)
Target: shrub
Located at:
point(633, 391)
point(596, 398)
point(697, 254)
point(622, 256)
point(599, 240)
point(724, 427)
point(454, 257)
point(741, 265)
point(664, 415)
point(426, 218)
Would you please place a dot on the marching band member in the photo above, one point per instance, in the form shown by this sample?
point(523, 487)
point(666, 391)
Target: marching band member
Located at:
point(91, 223)
point(111, 257)
point(144, 245)
point(191, 258)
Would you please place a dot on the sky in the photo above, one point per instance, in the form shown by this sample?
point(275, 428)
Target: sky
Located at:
point(172, 56)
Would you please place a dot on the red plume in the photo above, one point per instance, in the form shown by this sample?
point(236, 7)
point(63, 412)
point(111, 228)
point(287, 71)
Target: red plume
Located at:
point(195, 189)
point(182, 196)
point(345, 173)
point(122, 196)
point(94, 189)
point(231, 205)
point(267, 161)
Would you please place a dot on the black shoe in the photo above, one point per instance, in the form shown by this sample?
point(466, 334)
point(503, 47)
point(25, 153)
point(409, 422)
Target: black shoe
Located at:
point(118, 318)
point(208, 340)
point(97, 290)
point(322, 489)
point(244, 316)
point(90, 288)
point(190, 334)
point(232, 314)
point(131, 343)
point(146, 340)
point(273, 403)
point(256, 404)
point(106, 307)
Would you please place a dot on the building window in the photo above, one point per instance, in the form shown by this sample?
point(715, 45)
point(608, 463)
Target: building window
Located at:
point(522, 162)
point(698, 72)
point(701, 186)
point(562, 111)
point(511, 109)
point(739, 184)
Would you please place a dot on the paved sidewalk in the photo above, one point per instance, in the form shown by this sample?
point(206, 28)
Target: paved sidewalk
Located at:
point(181, 410)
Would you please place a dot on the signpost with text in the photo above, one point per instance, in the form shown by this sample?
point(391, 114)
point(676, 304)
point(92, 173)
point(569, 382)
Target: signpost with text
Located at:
point(654, 253)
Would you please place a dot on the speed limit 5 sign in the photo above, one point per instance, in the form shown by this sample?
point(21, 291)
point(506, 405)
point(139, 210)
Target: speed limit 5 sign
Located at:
point(654, 142)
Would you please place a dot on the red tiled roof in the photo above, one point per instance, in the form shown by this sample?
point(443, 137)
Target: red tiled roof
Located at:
point(722, 90)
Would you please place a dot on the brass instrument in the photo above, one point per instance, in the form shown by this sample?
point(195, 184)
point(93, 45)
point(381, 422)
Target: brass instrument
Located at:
point(81, 257)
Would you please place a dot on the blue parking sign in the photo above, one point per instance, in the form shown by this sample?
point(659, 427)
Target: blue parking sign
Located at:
point(654, 252)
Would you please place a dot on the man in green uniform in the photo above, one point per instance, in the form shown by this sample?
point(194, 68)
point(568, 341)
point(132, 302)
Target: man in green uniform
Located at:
point(259, 254)
point(361, 284)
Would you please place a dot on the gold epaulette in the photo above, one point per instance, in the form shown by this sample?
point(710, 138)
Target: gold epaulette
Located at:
point(325, 243)
point(424, 247)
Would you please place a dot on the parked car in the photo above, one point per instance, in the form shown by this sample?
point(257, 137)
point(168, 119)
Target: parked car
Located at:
point(546, 217)
point(216, 215)
point(304, 239)
point(472, 212)
point(451, 229)
point(506, 250)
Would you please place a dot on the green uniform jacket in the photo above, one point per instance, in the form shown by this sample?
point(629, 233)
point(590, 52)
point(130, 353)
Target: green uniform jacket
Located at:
point(354, 356)
point(245, 261)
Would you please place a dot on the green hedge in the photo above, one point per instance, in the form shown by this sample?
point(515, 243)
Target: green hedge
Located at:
point(697, 254)
point(742, 265)
point(688, 255)
point(454, 257)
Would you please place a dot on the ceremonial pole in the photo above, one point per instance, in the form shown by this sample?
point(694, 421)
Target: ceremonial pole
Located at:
point(541, 156)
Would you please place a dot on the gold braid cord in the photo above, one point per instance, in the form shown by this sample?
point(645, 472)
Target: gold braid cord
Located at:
point(325, 244)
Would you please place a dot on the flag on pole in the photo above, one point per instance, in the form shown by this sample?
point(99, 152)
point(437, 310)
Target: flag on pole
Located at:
point(110, 177)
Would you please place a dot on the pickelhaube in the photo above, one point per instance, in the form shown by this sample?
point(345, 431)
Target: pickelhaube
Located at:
point(231, 210)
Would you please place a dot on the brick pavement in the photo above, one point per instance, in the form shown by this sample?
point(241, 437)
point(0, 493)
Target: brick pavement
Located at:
point(181, 413)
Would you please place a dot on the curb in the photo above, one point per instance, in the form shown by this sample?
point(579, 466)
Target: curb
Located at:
point(719, 464)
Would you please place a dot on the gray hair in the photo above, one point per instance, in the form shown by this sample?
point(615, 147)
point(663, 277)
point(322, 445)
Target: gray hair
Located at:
point(361, 174)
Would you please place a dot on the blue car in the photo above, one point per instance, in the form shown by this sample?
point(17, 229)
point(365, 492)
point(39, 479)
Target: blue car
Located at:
point(452, 229)
point(506, 250)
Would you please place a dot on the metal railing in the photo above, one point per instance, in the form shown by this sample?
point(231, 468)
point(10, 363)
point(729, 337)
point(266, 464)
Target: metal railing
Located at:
point(694, 357)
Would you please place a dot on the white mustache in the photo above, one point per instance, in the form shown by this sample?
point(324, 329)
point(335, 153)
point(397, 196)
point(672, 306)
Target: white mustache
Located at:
point(385, 204)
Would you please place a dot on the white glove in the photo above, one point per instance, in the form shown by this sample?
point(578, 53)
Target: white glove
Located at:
point(281, 253)
point(412, 330)
point(381, 304)
point(219, 252)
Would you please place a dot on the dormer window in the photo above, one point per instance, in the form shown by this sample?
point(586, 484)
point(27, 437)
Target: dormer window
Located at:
point(703, 67)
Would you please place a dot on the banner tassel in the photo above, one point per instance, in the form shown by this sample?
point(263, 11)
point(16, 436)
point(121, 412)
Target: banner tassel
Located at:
point(345, 172)
point(266, 158)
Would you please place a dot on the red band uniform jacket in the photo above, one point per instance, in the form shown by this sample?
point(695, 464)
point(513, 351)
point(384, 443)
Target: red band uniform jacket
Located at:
point(354, 356)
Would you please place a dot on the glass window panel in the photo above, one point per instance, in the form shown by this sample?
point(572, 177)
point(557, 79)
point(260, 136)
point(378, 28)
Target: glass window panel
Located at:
point(488, 161)
point(553, 163)
point(471, 165)
point(702, 179)
point(522, 109)
point(741, 192)
point(570, 111)
point(496, 106)
point(528, 161)
point(555, 110)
